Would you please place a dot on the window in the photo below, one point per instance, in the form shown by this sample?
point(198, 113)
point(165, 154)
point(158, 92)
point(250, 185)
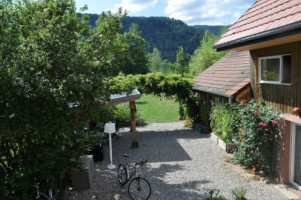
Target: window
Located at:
point(220, 101)
point(275, 69)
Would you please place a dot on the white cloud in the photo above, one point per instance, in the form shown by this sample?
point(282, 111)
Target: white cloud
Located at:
point(133, 6)
point(211, 12)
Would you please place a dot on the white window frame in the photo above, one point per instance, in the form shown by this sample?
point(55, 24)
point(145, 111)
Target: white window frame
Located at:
point(280, 70)
point(292, 155)
point(220, 101)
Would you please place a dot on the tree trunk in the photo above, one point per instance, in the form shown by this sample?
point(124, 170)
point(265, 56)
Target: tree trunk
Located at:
point(133, 124)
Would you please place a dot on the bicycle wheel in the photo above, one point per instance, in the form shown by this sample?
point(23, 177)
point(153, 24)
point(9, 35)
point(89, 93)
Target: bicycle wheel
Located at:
point(139, 188)
point(122, 174)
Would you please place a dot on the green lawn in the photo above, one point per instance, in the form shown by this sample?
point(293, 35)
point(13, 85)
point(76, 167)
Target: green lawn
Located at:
point(152, 109)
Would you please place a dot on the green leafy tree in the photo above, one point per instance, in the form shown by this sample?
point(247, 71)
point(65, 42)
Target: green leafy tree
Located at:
point(205, 55)
point(49, 60)
point(157, 64)
point(182, 68)
point(182, 61)
point(137, 62)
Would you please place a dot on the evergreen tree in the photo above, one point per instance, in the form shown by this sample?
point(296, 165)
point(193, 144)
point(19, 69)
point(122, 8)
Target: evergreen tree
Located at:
point(182, 61)
point(156, 63)
point(136, 52)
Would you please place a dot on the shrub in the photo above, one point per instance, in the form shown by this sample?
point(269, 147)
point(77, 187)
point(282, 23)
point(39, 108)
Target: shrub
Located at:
point(121, 113)
point(224, 121)
point(218, 132)
point(225, 118)
point(253, 125)
point(260, 126)
point(47, 62)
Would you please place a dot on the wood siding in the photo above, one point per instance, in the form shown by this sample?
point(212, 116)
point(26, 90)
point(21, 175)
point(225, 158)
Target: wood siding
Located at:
point(285, 97)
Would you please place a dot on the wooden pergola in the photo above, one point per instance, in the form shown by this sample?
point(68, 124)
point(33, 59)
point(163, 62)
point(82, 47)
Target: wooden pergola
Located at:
point(131, 98)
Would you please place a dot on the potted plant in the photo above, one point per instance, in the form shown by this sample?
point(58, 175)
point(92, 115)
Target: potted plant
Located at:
point(95, 141)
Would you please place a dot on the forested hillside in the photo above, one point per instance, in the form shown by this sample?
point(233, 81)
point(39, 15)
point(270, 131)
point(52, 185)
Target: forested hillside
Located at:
point(213, 29)
point(166, 35)
point(163, 33)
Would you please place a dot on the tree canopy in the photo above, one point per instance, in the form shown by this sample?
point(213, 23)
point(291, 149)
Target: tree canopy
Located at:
point(51, 73)
point(182, 61)
point(163, 33)
point(136, 52)
point(205, 56)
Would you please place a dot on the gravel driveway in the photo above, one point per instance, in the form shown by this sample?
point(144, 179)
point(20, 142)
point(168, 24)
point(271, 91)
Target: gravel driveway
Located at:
point(182, 164)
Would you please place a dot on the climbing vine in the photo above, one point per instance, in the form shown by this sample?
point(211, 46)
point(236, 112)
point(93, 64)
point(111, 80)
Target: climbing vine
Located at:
point(158, 84)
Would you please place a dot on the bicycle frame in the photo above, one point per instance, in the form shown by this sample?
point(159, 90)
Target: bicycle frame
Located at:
point(135, 172)
point(128, 167)
point(50, 194)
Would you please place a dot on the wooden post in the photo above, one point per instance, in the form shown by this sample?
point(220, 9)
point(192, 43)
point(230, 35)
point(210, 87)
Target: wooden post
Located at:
point(133, 124)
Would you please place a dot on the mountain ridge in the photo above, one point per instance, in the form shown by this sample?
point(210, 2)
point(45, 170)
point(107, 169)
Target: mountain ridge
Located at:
point(165, 34)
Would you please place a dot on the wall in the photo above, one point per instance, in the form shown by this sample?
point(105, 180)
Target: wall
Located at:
point(285, 97)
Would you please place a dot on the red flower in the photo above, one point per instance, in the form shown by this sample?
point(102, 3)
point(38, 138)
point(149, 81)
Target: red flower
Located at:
point(262, 125)
point(242, 103)
point(270, 139)
point(266, 129)
point(274, 122)
point(276, 119)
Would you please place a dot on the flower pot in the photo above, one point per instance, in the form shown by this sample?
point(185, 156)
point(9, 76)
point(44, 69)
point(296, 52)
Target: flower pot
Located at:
point(206, 129)
point(97, 152)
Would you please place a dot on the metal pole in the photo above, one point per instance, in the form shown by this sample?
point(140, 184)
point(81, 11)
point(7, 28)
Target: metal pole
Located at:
point(111, 166)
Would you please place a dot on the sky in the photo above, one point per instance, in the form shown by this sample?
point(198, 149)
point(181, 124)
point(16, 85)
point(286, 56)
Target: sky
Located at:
point(192, 12)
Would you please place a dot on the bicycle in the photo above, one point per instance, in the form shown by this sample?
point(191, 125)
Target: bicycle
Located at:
point(44, 196)
point(139, 188)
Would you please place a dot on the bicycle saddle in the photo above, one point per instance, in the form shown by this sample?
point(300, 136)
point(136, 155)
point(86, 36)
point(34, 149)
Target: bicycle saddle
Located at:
point(125, 155)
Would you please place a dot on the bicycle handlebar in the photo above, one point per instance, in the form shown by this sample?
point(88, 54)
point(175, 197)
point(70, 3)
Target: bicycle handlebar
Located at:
point(141, 163)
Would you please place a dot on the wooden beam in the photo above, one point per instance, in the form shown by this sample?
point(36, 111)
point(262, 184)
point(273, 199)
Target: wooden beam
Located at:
point(124, 101)
point(133, 124)
point(270, 43)
point(243, 93)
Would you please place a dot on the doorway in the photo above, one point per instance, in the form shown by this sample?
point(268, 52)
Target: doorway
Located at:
point(295, 158)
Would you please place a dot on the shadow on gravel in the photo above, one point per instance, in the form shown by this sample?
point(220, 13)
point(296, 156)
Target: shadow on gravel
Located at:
point(155, 146)
point(168, 178)
point(161, 180)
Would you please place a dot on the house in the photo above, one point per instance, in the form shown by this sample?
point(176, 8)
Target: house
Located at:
point(271, 31)
point(225, 81)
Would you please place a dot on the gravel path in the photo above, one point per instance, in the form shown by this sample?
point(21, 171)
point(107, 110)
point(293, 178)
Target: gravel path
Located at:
point(182, 164)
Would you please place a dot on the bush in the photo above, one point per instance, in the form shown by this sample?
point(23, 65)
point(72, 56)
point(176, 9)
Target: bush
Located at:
point(253, 125)
point(47, 63)
point(121, 113)
point(260, 126)
point(225, 118)
point(224, 121)
point(218, 132)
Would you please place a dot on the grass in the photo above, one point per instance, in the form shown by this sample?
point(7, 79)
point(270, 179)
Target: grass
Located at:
point(152, 109)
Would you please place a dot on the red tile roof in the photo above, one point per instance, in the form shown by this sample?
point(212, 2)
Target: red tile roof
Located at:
point(263, 16)
point(227, 76)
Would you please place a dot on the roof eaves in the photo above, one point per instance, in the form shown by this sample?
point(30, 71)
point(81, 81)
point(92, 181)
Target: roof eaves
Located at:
point(290, 29)
point(211, 92)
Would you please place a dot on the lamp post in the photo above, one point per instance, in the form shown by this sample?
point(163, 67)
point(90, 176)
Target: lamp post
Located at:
point(110, 129)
